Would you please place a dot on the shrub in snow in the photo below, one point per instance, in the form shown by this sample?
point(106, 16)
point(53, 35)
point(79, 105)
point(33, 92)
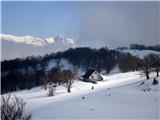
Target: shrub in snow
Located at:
point(83, 97)
point(155, 82)
point(92, 87)
point(12, 108)
point(142, 83)
point(52, 87)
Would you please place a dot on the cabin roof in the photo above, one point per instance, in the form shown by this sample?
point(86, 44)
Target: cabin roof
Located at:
point(88, 73)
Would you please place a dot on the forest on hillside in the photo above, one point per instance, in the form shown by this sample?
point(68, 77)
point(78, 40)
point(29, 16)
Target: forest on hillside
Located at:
point(29, 72)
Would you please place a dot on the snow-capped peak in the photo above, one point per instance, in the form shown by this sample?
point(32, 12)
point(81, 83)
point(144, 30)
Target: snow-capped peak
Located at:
point(70, 41)
point(50, 40)
point(65, 41)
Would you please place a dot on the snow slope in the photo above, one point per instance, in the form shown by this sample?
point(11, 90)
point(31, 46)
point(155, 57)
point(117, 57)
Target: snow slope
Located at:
point(140, 53)
point(119, 96)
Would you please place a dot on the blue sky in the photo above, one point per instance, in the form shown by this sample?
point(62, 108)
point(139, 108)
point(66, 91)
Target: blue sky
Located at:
point(93, 24)
point(40, 19)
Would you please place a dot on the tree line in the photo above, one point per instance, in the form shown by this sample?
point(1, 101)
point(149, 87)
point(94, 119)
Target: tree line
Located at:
point(26, 73)
point(146, 65)
point(143, 47)
point(17, 80)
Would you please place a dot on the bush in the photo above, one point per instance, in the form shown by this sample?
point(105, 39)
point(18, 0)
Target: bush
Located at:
point(12, 108)
point(155, 82)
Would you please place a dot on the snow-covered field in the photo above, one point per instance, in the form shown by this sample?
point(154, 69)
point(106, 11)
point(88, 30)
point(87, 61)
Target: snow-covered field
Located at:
point(119, 96)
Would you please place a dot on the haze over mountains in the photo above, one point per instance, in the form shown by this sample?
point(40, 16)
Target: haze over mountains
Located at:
point(22, 46)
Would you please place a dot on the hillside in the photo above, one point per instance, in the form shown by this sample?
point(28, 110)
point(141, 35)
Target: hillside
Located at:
point(140, 53)
point(80, 60)
point(119, 96)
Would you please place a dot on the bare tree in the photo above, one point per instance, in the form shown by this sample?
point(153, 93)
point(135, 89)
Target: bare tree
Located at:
point(75, 71)
point(12, 108)
point(56, 76)
point(127, 62)
point(42, 78)
point(44, 81)
point(156, 63)
point(146, 64)
point(68, 79)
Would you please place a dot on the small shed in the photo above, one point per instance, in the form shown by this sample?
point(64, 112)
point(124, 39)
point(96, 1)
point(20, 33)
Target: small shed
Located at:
point(91, 75)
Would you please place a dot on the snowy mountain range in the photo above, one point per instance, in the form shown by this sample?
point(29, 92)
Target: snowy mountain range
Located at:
point(59, 39)
point(22, 46)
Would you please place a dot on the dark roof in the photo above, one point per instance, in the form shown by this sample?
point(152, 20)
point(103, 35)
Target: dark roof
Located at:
point(88, 73)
